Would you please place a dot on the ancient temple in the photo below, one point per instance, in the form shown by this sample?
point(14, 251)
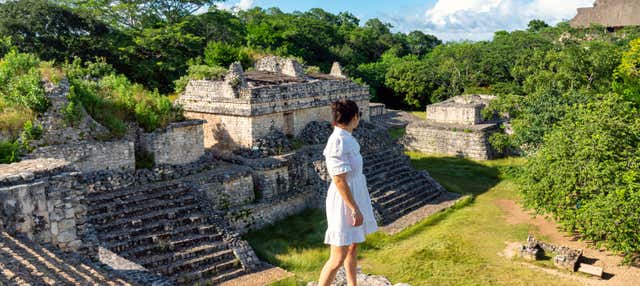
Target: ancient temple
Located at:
point(613, 14)
point(245, 106)
point(455, 126)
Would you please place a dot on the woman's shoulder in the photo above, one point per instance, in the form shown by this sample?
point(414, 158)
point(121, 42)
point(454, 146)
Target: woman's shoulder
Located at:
point(339, 144)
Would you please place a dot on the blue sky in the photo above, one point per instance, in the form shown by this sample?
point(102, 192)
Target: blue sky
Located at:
point(447, 19)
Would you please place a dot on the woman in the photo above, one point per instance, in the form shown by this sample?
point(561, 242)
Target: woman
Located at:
point(349, 211)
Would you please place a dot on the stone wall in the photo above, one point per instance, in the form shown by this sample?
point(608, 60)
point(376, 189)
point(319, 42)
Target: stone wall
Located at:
point(42, 200)
point(469, 114)
point(226, 190)
point(462, 109)
point(274, 64)
point(224, 131)
point(609, 13)
point(92, 155)
point(271, 182)
point(376, 109)
point(179, 143)
point(256, 216)
point(464, 141)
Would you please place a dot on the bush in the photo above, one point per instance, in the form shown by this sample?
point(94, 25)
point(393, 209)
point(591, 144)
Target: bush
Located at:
point(9, 152)
point(199, 72)
point(21, 82)
point(112, 99)
point(586, 174)
point(220, 54)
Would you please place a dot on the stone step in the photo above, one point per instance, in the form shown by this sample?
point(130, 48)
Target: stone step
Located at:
point(408, 206)
point(381, 189)
point(50, 260)
point(416, 192)
point(212, 274)
point(135, 209)
point(173, 237)
point(134, 193)
point(184, 242)
point(169, 213)
point(203, 261)
point(185, 223)
point(384, 165)
point(370, 161)
point(387, 196)
point(382, 177)
point(171, 257)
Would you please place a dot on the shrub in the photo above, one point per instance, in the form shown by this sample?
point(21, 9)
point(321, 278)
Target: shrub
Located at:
point(586, 173)
point(9, 152)
point(199, 72)
point(144, 160)
point(21, 82)
point(113, 100)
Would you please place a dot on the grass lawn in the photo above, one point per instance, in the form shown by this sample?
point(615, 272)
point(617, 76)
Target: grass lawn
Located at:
point(421, 114)
point(459, 246)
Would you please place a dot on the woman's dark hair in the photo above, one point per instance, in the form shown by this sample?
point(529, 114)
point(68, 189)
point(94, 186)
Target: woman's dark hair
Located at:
point(343, 111)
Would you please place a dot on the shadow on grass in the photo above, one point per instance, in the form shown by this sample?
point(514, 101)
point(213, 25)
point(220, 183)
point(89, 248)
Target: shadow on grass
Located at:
point(296, 243)
point(458, 175)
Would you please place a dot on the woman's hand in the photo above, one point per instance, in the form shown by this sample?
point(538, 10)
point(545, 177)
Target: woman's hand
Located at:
point(358, 219)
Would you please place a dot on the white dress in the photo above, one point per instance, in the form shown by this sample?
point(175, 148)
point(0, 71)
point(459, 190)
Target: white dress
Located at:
point(342, 154)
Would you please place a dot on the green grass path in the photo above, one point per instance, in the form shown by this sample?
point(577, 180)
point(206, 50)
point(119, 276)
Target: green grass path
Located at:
point(457, 247)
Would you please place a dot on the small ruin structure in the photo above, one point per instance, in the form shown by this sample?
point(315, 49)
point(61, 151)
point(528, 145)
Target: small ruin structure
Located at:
point(454, 127)
point(245, 106)
point(613, 14)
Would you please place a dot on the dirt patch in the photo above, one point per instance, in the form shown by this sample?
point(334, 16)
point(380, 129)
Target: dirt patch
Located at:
point(618, 275)
point(259, 278)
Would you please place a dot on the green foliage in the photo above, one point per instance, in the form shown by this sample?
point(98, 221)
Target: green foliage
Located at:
point(220, 54)
point(113, 100)
point(9, 152)
point(627, 75)
point(144, 160)
point(585, 174)
point(536, 25)
point(72, 114)
point(21, 84)
point(5, 45)
point(54, 32)
point(31, 132)
point(199, 72)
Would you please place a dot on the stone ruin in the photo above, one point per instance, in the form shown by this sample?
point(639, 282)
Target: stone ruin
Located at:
point(245, 106)
point(454, 127)
point(564, 257)
point(181, 220)
point(613, 14)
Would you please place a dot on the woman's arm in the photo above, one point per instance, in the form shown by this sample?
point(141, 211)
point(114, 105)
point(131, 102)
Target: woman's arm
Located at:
point(340, 181)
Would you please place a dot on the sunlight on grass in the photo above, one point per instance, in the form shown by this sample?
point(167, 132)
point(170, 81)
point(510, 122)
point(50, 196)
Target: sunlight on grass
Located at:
point(459, 246)
point(421, 114)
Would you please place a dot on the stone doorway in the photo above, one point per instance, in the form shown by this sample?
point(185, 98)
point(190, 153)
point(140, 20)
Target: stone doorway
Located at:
point(288, 129)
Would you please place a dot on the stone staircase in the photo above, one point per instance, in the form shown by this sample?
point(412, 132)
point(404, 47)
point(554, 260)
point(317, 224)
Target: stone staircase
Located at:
point(396, 188)
point(162, 227)
point(23, 262)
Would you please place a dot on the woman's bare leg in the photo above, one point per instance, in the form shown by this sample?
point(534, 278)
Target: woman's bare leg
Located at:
point(338, 254)
point(350, 264)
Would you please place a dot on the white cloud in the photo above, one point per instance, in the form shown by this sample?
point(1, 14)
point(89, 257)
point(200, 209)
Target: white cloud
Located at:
point(237, 6)
point(479, 19)
point(245, 4)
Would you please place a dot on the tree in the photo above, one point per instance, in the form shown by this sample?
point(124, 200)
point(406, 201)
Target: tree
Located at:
point(536, 25)
point(627, 74)
point(54, 32)
point(586, 174)
point(137, 14)
point(420, 43)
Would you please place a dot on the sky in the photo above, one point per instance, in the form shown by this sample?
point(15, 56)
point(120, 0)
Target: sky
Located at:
point(449, 20)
